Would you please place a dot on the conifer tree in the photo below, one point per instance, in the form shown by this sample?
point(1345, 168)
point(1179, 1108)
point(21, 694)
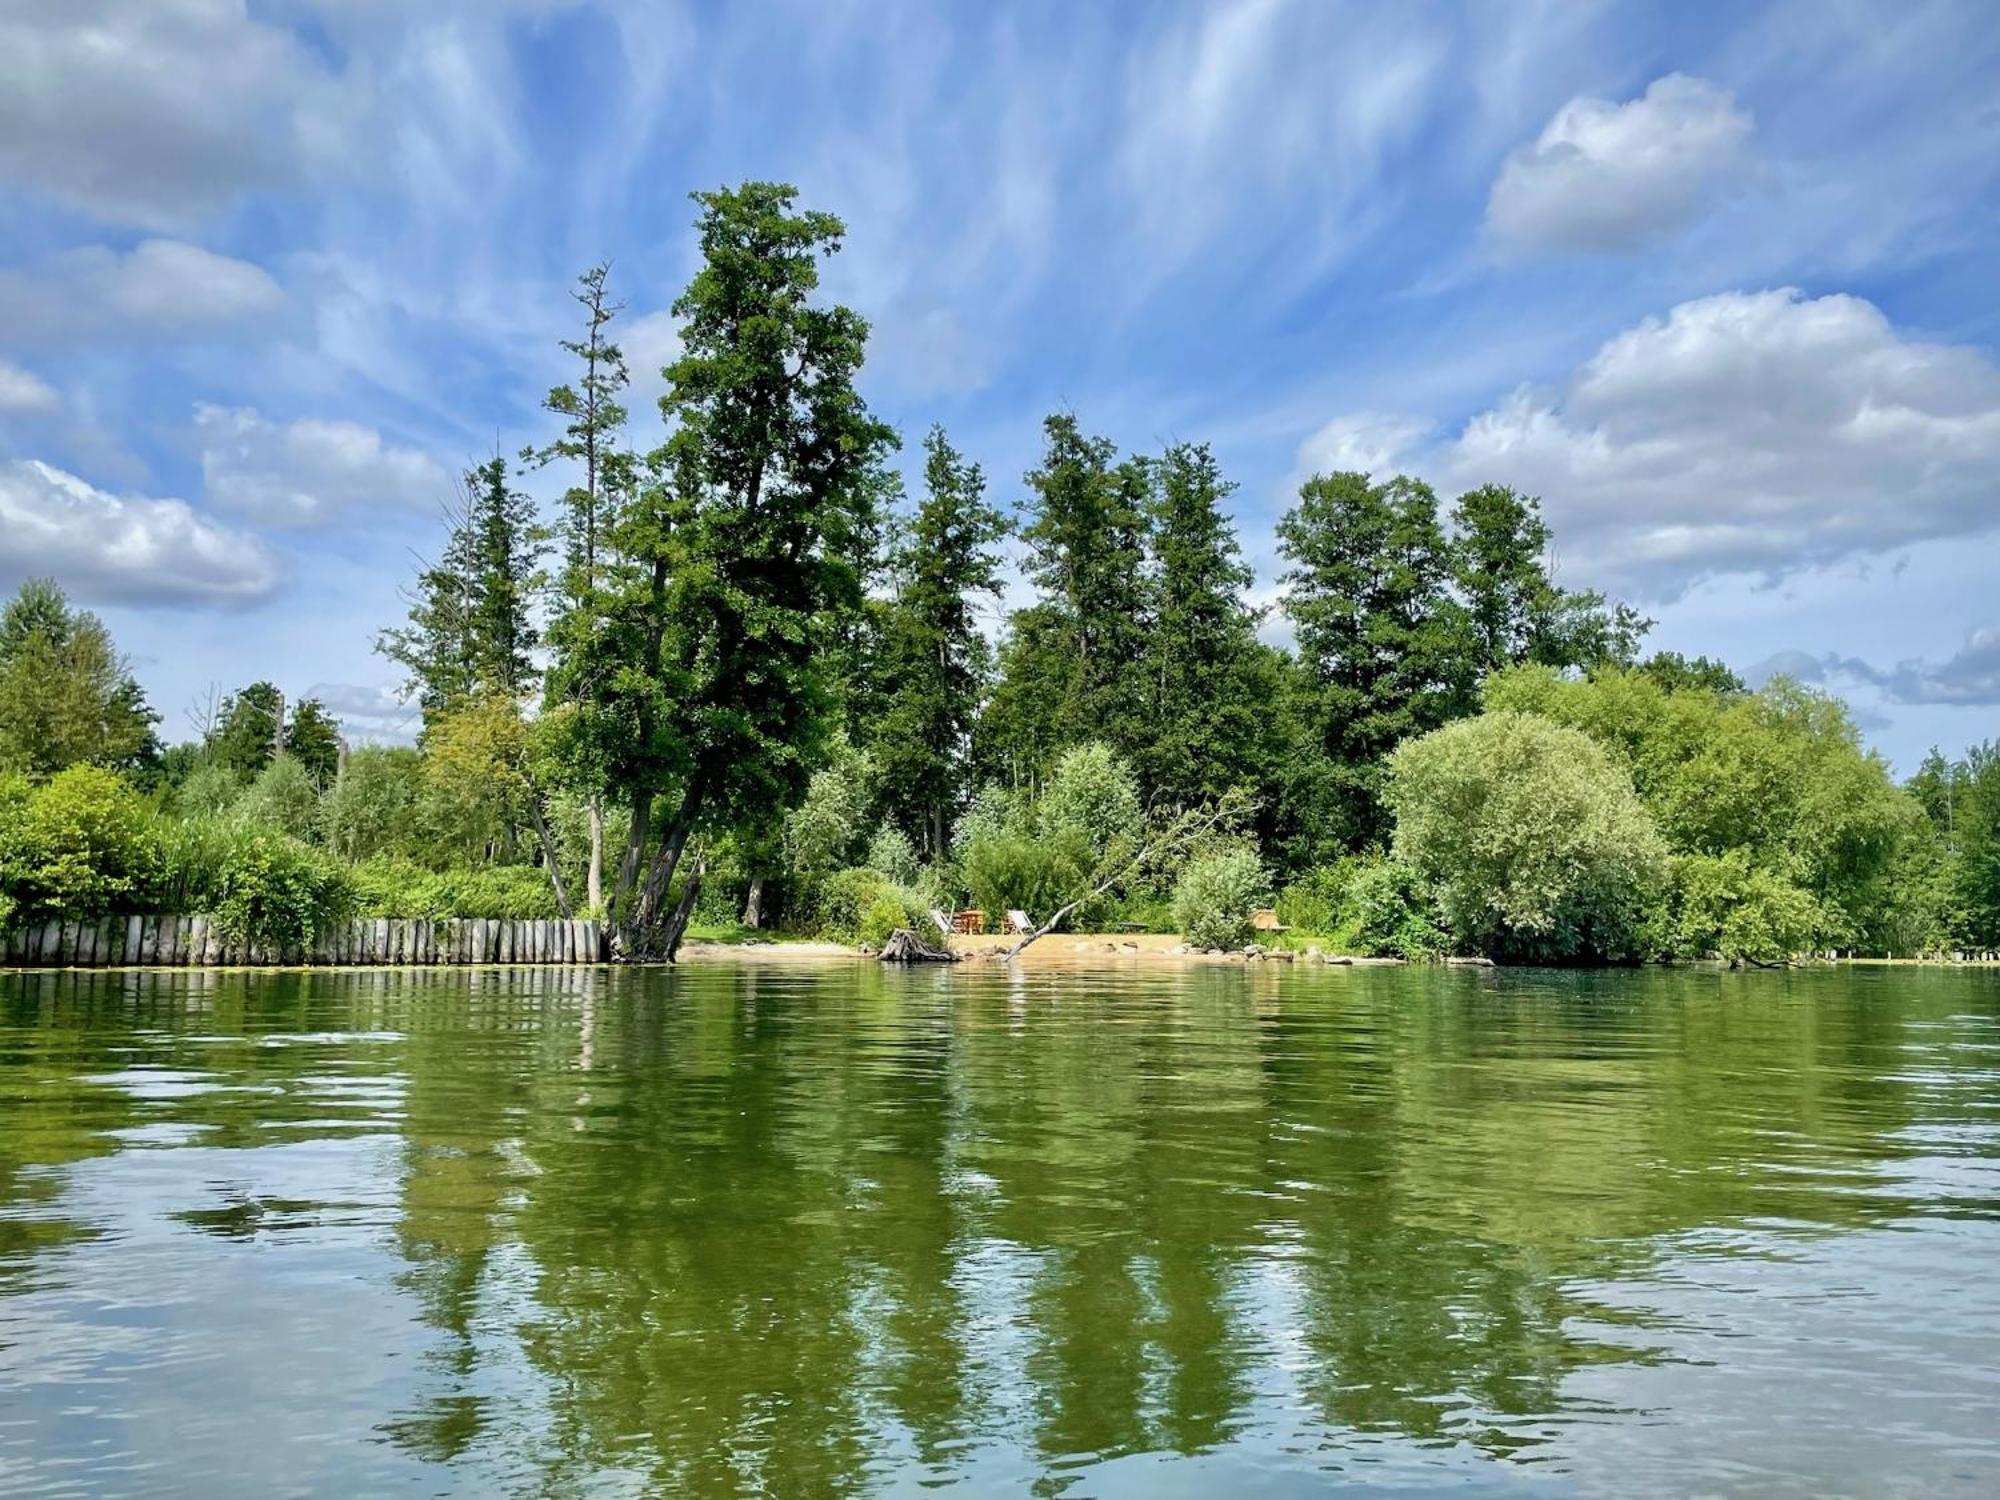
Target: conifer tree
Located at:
point(935, 657)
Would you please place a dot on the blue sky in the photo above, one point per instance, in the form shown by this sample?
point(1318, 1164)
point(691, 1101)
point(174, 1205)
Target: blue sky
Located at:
point(1717, 282)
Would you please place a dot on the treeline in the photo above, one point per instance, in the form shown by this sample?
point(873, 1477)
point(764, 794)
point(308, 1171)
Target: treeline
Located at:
point(740, 677)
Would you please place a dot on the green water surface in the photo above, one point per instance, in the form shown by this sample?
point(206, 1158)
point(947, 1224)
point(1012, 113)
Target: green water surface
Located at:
point(821, 1229)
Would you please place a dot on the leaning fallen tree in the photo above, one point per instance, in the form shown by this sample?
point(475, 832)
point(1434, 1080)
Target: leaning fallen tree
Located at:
point(1168, 843)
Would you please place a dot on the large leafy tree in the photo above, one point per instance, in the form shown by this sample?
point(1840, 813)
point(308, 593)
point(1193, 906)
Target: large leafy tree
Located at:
point(1385, 652)
point(312, 738)
point(743, 549)
point(66, 696)
point(935, 658)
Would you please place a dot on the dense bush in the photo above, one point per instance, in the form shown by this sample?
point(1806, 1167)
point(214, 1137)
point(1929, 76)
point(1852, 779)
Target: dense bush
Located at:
point(275, 893)
point(283, 797)
point(1092, 795)
point(1726, 907)
point(891, 852)
point(1317, 902)
point(1531, 837)
point(1005, 871)
point(80, 845)
point(855, 904)
point(1391, 912)
point(367, 810)
point(1217, 895)
point(390, 887)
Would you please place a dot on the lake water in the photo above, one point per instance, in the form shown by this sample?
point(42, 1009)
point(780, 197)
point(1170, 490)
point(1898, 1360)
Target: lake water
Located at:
point(817, 1229)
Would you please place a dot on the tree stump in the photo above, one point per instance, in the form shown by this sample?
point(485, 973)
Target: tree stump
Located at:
point(905, 947)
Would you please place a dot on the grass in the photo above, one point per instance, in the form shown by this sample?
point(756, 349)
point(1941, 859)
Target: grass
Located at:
point(736, 932)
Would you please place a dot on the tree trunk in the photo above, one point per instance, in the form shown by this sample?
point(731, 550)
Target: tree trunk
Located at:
point(661, 876)
point(549, 857)
point(683, 913)
point(753, 905)
point(593, 890)
point(635, 846)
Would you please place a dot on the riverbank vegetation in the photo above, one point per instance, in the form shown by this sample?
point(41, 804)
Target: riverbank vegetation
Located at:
point(735, 675)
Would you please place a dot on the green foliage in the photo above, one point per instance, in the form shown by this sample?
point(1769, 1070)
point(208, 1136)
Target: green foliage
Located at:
point(1068, 667)
point(1009, 870)
point(1779, 774)
point(825, 832)
point(392, 887)
point(934, 656)
point(78, 846)
point(283, 797)
point(275, 894)
point(245, 734)
point(1217, 895)
point(1726, 907)
point(1530, 835)
point(210, 790)
point(891, 852)
point(1393, 911)
point(312, 738)
point(369, 810)
point(66, 695)
point(860, 904)
point(1317, 902)
point(1385, 651)
point(1092, 797)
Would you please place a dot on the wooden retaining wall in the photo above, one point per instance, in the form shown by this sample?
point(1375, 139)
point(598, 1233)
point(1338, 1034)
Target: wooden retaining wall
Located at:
point(168, 942)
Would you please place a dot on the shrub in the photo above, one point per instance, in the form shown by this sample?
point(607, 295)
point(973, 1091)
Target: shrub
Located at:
point(855, 903)
point(210, 790)
point(1008, 870)
point(80, 845)
point(1392, 912)
point(389, 887)
point(1728, 908)
point(1216, 896)
point(1532, 839)
point(891, 852)
point(276, 894)
point(1318, 901)
point(368, 808)
point(1091, 793)
point(283, 797)
point(884, 915)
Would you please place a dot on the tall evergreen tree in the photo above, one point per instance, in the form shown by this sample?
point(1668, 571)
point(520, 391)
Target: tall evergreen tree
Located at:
point(312, 738)
point(585, 659)
point(744, 548)
point(1209, 681)
point(471, 626)
point(1500, 562)
point(248, 728)
point(1384, 651)
point(1070, 667)
point(935, 658)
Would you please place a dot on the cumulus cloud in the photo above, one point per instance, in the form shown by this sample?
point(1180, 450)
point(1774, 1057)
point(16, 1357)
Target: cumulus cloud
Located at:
point(1608, 178)
point(1372, 442)
point(376, 715)
point(23, 393)
point(1968, 678)
point(307, 473)
point(1751, 432)
point(152, 112)
point(123, 549)
point(157, 287)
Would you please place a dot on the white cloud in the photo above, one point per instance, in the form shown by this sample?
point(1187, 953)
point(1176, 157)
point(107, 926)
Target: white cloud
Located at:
point(305, 473)
point(125, 549)
point(1372, 442)
point(649, 343)
point(157, 287)
point(375, 715)
point(1608, 178)
point(1748, 433)
point(152, 112)
point(23, 393)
